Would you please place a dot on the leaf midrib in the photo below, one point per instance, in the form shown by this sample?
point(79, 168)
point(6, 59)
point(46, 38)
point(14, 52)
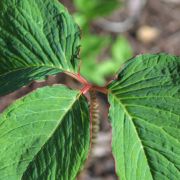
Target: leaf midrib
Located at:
point(53, 131)
point(33, 66)
point(130, 118)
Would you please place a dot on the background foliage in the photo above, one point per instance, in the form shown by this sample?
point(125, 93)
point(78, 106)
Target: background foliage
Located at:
point(113, 50)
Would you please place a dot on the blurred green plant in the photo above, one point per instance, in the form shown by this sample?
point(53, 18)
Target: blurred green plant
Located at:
point(93, 9)
point(115, 50)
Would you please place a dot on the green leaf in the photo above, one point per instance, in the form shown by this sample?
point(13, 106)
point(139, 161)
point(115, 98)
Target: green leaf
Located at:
point(121, 51)
point(93, 45)
point(94, 8)
point(92, 48)
point(45, 135)
point(145, 118)
point(37, 38)
point(81, 20)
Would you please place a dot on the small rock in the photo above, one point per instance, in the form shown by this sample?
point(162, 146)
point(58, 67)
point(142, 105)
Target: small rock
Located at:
point(147, 34)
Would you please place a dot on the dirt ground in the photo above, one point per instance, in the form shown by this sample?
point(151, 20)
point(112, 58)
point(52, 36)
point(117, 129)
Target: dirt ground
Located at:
point(157, 30)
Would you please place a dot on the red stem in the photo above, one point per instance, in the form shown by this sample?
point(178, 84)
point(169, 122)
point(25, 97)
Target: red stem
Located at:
point(100, 89)
point(86, 85)
point(78, 77)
